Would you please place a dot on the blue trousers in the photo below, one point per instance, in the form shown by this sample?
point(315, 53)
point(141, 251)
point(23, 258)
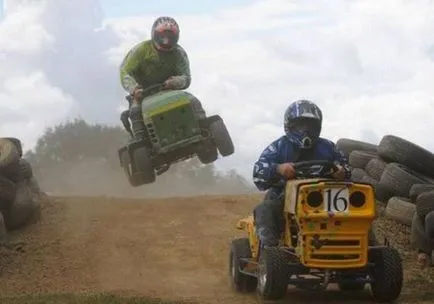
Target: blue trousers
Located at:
point(268, 217)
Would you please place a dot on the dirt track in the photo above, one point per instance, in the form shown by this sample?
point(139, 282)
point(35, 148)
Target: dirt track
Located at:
point(168, 248)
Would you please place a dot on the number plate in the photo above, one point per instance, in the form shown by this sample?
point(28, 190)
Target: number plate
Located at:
point(336, 200)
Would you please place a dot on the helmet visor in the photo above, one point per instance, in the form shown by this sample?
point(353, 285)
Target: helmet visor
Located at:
point(165, 40)
point(308, 126)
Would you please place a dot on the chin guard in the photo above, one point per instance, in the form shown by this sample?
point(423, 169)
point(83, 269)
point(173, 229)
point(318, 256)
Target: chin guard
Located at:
point(306, 142)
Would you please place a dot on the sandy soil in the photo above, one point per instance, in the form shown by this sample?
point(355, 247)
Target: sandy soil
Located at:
point(169, 248)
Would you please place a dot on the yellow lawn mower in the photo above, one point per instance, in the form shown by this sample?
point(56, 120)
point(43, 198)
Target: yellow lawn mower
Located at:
point(325, 238)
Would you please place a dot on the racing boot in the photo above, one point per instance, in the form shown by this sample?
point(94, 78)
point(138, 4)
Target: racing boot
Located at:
point(125, 115)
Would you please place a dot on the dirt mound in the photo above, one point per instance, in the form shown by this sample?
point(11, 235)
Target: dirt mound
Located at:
point(168, 248)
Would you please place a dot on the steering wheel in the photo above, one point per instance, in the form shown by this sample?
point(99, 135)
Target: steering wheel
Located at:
point(306, 169)
point(153, 88)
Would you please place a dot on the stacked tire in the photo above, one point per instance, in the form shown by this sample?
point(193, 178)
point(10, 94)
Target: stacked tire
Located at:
point(399, 170)
point(18, 187)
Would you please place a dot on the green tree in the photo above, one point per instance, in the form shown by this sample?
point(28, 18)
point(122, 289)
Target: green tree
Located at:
point(76, 140)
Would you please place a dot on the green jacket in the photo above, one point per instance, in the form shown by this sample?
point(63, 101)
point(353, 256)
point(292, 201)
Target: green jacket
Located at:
point(145, 66)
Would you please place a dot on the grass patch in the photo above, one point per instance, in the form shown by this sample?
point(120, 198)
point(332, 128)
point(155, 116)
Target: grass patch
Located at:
point(85, 298)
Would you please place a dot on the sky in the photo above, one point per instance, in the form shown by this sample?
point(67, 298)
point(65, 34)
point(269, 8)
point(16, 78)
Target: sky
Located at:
point(116, 8)
point(368, 64)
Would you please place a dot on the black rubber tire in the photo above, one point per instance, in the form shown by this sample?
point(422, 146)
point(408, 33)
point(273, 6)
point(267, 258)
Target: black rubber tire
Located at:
point(417, 189)
point(208, 156)
point(375, 167)
point(23, 208)
point(401, 210)
point(143, 164)
point(359, 159)
point(23, 172)
point(17, 143)
point(124, 161)
point(7, 193)
point(347, 145)
point(240, 248)
point(357, 174)
point(9, 156)
point(399, 179)
point(143, 172)
point(424, 204)
point(25, 169)
point(382, 193)
point(370, 180)
point(221, 137)
point(396, 149)
point(420, 237)
point(273, 262)
point(3, 229)
point(387, 274)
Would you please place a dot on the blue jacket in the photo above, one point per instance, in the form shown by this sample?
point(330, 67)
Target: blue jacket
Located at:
point(283, 150)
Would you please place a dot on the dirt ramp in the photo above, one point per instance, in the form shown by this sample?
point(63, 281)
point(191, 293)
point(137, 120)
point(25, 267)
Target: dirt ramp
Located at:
point(170, 248)
point(55, 254)
point(167, 247)
point(174, 247)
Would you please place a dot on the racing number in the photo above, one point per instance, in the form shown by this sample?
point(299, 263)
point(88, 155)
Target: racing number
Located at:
point(336, 200)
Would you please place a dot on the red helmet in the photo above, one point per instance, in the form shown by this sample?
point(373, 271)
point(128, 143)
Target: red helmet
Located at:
point(165, 33)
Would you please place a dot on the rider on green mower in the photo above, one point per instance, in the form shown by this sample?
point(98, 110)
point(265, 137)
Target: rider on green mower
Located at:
point(159, 60)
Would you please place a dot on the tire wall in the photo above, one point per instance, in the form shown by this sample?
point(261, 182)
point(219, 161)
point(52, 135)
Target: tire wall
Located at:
point(400, 172)
point(19, 191)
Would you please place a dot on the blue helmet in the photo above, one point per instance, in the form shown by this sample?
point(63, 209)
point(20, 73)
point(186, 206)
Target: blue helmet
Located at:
point(302, 123)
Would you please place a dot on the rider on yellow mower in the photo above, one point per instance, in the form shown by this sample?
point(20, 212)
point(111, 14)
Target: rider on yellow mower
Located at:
point(301, 142)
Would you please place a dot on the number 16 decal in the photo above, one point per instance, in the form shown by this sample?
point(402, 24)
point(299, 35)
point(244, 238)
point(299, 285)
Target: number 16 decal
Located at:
point(336, 200)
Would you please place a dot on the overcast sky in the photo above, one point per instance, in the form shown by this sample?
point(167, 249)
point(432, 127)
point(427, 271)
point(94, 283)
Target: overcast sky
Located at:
point(368, 64)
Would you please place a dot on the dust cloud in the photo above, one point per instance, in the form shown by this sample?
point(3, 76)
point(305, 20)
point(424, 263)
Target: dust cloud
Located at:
point(94, 177)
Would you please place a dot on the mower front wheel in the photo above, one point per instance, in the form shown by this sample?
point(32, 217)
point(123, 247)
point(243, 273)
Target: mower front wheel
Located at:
point(273, 274)
point(138, 168)
point(144, 169)
point(387, 274)
point(240, 282)
point(221, 137)
point(207, 154)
